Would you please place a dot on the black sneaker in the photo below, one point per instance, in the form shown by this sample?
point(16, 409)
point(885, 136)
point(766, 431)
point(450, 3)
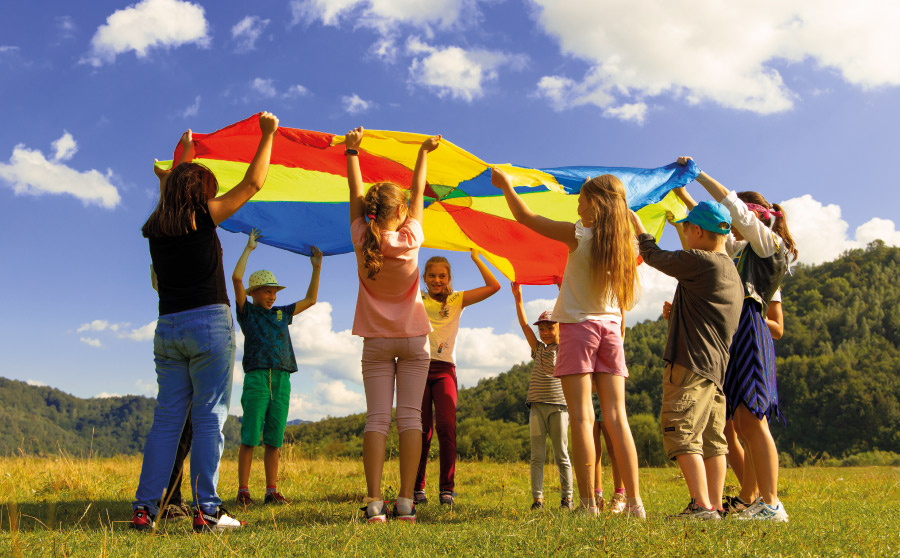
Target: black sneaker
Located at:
point(219, 521)
point(380, 517)
point(420, 498)
point(448, 497)
point(276, 498)
point(143, 520)
point(537, 505)
point(697, 512)
point(734, 504)
point(410, 517)
point(567, 504)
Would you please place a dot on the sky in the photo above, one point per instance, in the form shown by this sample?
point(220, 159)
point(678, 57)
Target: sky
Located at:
point(798, 100)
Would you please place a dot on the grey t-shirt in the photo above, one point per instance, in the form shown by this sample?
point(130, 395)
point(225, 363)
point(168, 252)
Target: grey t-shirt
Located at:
point(706, 308)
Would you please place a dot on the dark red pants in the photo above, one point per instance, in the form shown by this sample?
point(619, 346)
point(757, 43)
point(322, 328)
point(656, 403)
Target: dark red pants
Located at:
point(440, 389)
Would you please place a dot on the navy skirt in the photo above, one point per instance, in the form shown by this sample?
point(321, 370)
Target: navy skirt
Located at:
point(750, 376)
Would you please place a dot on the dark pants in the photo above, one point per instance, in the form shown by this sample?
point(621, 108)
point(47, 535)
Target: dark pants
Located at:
point(440, 389)
point(173, 491)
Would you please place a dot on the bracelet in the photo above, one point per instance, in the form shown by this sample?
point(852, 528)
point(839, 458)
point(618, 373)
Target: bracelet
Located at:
point(350, 152)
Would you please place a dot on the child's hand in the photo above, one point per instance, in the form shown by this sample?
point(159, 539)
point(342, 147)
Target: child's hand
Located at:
point(268, 123)
point(667, 309)
point(516, 290)
point(160, 173)
point(499, 178)
point(316, 258)
point(187, 140)
point(670, 217)
point(636, 223)
point(473, 253)
point(683, 160)
point(354, 137)
point(252, 239)
point(431, 144)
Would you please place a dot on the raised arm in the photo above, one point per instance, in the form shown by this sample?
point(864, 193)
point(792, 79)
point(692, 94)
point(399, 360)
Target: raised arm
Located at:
point(354, 175)
point(520, 314)
point(227, 204)
point(313, 291)
point(237, 278)
point(417, 188)
point(491, 285)
point(715, 189)
point(187, 155)
point(561, 231)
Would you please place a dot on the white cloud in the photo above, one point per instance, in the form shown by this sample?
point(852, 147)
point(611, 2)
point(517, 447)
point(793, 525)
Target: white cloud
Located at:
point(146, 388)
point(106, 395)
point(461, 74)
point(247, 31)
point(35, 383)
point(710, 51)
point(354, 104)
point(821, 235)
point(65, 147)
point(264, 87)
point(635, 112)
point(383, 15)
point(143, 333)
point(296, 91)
point(316, 345)
point(146, 25)
point(329, 398)
point(96, 325)
point(30, 172)
point(4, 49)
point(656, 288)
point(119, 330)
point(481, 353)
point(193, 109)
point(92, 341)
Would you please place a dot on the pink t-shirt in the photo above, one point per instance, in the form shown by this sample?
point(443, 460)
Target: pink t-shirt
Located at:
point(390, 304)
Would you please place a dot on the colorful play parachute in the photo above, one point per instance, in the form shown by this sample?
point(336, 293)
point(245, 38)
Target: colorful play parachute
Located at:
point(305, 199)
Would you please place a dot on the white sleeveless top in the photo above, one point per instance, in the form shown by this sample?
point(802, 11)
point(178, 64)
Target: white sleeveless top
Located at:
point(579, 299)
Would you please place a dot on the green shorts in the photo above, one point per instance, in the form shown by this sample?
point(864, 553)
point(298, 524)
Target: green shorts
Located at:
point(265, 400)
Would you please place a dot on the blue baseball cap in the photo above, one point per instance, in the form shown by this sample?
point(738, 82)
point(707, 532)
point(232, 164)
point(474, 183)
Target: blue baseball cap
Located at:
point(709, 215)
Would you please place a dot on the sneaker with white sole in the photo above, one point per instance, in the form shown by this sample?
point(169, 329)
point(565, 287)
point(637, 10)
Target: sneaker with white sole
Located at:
point(221, 520)
point(379, 517)
point(635, 511)
point(617, 504)
point(734, 505)
point(697, 512)
point(761, 511)
point(143, 520)
point(448, 497)
point(409, 517)
point(566, 504)
point(420, 498)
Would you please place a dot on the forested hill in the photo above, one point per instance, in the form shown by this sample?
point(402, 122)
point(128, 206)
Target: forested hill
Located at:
point(838, 370)
point(43, 420)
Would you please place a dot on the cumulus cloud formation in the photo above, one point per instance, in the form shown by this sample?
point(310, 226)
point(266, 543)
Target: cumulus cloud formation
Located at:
point(354, 104)
point(481, 353)
point(265, 88)
point(316, 345)
point(382, 15)
point(328, 398)
point(193, 109)
point(247, 31)
point(92, 341)
point(118, 330)
point(35, 383)
point(461, 74)
point(146, 25)
point(709, 51)
point(821, 234)
point(30, 172)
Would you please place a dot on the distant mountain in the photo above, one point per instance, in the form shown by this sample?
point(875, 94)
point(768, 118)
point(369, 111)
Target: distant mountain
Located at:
point(45, 420)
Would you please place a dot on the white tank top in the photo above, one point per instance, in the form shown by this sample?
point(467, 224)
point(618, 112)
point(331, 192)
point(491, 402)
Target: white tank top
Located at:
point(579, 299)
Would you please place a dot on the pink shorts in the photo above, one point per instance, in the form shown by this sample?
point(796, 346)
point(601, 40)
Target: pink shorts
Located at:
point(590, 346)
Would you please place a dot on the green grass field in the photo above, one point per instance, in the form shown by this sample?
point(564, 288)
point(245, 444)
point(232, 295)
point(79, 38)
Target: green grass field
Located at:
point(81, 507)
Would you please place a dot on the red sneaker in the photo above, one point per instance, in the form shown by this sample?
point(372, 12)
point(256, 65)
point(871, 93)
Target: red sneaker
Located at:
point(142, 520)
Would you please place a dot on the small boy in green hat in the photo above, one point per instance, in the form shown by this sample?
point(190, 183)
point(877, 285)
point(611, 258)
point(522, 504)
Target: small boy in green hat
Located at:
point(268, 363)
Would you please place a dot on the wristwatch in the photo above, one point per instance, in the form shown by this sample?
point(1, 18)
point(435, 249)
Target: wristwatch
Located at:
point(351, 152)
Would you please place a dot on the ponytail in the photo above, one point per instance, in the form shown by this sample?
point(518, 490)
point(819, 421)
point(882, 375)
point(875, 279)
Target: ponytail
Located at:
point(381, 201)
point(777, 218)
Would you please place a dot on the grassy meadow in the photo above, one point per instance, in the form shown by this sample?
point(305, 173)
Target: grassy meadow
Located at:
point(64, 506)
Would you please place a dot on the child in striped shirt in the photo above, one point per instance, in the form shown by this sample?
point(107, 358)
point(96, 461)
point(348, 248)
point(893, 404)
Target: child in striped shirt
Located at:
point(549, 414)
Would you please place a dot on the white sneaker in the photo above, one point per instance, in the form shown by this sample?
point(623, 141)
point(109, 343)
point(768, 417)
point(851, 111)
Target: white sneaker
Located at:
point(635, 511)
point(219, 521)
point(760, 510)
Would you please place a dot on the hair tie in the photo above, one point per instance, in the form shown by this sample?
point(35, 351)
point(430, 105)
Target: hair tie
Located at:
point(371, 216)
point(764, 212)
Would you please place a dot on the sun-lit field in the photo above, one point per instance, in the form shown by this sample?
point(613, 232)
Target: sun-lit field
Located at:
point(81, 507)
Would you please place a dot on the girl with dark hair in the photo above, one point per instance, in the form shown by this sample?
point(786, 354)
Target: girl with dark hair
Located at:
point(763, 249)
point(193, 345)
point(391, 319)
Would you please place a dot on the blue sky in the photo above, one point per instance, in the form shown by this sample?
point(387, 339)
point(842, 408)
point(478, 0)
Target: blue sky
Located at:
point(799, 103)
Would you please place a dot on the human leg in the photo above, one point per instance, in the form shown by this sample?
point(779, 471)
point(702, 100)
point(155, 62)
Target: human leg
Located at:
point(611, 390)
point(694, 472)
point(378, 371)
point(613, 462)
point(427, 433)
point(558, 428)
point(412, 374)
point(577, 391)
point(735, 451)
point(255, 398)
point(764, 455)
point(173, 491)
point(274, 425)
point(444, 393)
point(537, 429)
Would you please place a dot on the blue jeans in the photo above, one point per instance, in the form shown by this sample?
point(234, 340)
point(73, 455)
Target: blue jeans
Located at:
point(194, 355)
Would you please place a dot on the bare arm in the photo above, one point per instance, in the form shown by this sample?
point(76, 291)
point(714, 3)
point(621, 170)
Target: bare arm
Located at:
point(417, 188)
point(523, 321)
point(227, 204)
point(775, 320)
point(354, 175)
point(491, 285)
point(561, 231)
point(237, 277)
point(679, 228)
point(715, 189)
point(313, 291)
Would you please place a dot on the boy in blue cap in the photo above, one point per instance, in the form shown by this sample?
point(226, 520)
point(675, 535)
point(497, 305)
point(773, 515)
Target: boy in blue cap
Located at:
point(705, 313)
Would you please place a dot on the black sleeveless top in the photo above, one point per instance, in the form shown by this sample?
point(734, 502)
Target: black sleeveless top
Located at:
point(760, 276)
point(189, 267)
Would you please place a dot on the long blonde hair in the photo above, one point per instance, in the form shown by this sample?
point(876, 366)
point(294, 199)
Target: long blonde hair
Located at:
point(613, 265)
point(382, 200)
